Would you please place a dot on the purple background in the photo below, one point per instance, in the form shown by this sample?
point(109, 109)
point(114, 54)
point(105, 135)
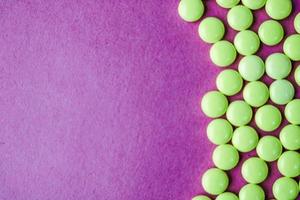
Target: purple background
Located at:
point(100, 100)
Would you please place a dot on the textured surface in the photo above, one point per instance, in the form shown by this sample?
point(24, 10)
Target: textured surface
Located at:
point(100, 100)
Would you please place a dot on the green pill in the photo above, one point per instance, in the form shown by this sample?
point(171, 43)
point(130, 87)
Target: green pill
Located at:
point(279, 9)
point(219, 131)
point(190, 10)
point(292, 111)
point(270, 32)
point(229, 82)
point(297, 23)
point(254, 4)
point(281, 92)
point(297, 75)
point(201, 197)
point(254, 170)
point(240, 18)
point(251, 68)
point(290, 137)
point(211, 30)
point(246, 42)
point(227, 196)
point(214, 104)
point(239, 113)
point(256, 93)
point(227, 3)
point(215, 181)
point(268, 118)
point(278, 66)
point(222, 53)
point(225, 157)
point(269, 148)
point(252, 192)
point(289, 164)
point(291, 47)
point(285, 188)
point(245, 139)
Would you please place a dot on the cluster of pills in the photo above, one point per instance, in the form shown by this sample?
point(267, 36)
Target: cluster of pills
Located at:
point(230, 129)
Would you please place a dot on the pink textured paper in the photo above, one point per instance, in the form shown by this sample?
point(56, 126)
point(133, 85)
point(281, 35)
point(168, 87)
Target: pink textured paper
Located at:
point(100, 100)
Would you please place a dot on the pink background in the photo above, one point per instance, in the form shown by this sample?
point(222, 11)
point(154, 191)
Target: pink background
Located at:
point(100, 100)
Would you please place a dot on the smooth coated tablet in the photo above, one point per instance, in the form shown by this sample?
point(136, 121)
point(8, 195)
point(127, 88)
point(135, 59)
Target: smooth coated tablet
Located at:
point(291, 47)
point(240, 18)
point(251, 68)
point(219, 131)
point(289, 164)
point(246, 42)
point(279, 9)
point(254, 4)
point(215, 181)
point(268, 118)
point(256, 93)
point(201, 197)
point(227, 196)
point(281, 92)
point(211, 30)
point(278, 66)
point(297, 23)
point(269, 148)
point(285, 188)
point(227, 3)
point(222, 53)
point(292, 111)
point(297, 75)
point(229, 82)
point(290, 137)
point(244, 139)
point(214, 104)
point(270, 32)
point(190, 10)
point(251, 192)
point(254, 170)
point(239, 113)
point(225, 157)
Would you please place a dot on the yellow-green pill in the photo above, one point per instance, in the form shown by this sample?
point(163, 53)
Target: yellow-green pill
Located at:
point(229, 82)
point(285, 188)
point(254, 4)
point(190, 10)
point(278, 66)
point(201, 197)
point(222, 53)
point(251, 68)
point(297, 23)
point(278, 9)
point(270, 32)
point(251, 192)
point(268, 118)
point(211, 30)
point(245, 139)
point(240, 18)
point(256, 93)
point(225, 157)
point(269, 148)
point(246, 42)
point(290, 137)
point(254, 170)
point(227, 3)
point(289, 164)
point(215, 181)
point(214, 104)
point(291, 47)
point(292, 111)
point(281, 92)
point(239, 113)
point(227, 196)
point(219, 131)
point(297, 75)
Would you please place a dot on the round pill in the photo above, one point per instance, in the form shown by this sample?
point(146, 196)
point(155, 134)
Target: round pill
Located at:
point(214, 104)
point(270, 32)
point(227, 196)
point(215, 181)
point(239, 18)
point(291, 47)
point(229, 82)
point(269, 148)
point(245, 139)
point(254, 170)
point(285, 188)
point(239, 113)
point(278, 9)
point(290, 137)
point(223, 53)
point(268, 118)
point(201, 197)
point(251, 192)
point(211, 30)
point(297, 75)
point(292, 111)
point(251, 68)
point(246, 42)
point(289, 164)
point(227, 3)
point(225, 157)
point(219, 131)
point(190, 10)
point(256, 93)
point(281, 92)
point(297, 23)
point(278, 66)
point(254, 4)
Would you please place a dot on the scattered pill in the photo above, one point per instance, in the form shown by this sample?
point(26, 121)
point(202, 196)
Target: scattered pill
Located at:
point(254, 170)
point(219, 131)
point(240, 18)
point(246, 42)
point(285, 188)
point(223, 53)
point(297, 23)
point(290, 137)
point(229, 82)
point(211, 30)
point(251, 192)
point(281, 92)
point(225, 157)
point(227, 196)
point(239, 113)
point(269, 148)
point(256, 93)
point(292, 111)
point(289, 164)
point(227, 3)
point(270, 32)
point(278, 66)
point(214, 104)
point(251, 68)
point(191, 10)
point(254, 4)
point(268, 118)
point(291, 47)
point(297, 75)
point(215, 181)
point(201, 197)
point(278, 9)
point(245, 139)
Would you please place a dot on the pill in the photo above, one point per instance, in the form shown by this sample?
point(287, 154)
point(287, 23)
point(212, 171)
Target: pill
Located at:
point(246, 42)
point(244, 139)
point(289, 164)
point(215, 181)
point(268, 118)
point(270, 32)
point(297, 75)
point(285, 188)
point(214, 104)
point(222, 53)
point(190, 10)
point(269, 148)
point(256, 93)
point(227, 196)
point(201, 197)
point(290, 137)
point(278, 9)
point(278, 66)
point(239, 18)
point(291, 47)
point(281, 92)
point(211, 30)
point(225, 157)
point(239, 113)
point(254, 170)
point(229, 82)
point(251, 192)
point(251, 68)
point(292, 111)
point(254, 4)
point(297, 23)
point(227, 3)
point(219, 131)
